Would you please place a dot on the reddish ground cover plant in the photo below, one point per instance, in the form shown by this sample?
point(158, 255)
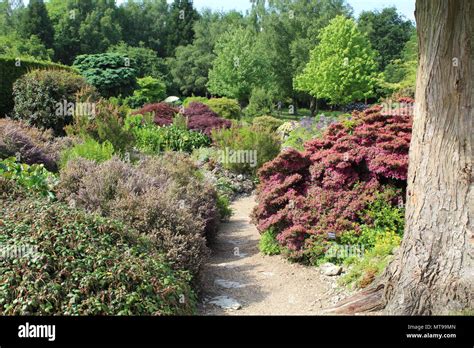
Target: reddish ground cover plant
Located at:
point(312, 196)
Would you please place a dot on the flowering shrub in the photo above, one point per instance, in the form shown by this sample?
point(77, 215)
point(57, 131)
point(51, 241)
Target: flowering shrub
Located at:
point(202, 118)
point(306, 129)
point(162, 197)
point(163, 113)
point(30, 145)
point(312, 196)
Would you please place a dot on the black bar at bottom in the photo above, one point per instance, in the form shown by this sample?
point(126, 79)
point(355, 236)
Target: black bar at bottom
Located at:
point(327, 330)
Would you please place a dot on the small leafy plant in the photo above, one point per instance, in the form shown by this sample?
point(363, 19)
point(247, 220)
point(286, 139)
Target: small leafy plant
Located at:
point(89, 149)
point(268, 244)
point(32, 177)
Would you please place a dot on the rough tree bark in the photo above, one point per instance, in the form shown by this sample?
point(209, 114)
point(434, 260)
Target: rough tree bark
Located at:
point(433, 272)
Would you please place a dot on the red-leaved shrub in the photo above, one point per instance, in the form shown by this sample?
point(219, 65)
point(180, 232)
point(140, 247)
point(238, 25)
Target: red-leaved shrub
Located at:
point(307, 195)
point(199, 116)
point(163, 113)
point(202, 118)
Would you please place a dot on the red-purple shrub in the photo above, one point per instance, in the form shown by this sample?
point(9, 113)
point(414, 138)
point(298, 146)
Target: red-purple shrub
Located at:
point(163, 113)
point(202, 118)
point(306, 195)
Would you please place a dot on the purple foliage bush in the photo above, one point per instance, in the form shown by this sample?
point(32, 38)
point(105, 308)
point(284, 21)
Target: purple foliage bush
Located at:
point(30, 144)
point(306, 195)
point(202, 118)
point(163, 113)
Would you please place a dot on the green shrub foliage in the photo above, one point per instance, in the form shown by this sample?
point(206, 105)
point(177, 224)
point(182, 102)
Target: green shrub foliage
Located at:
point(155, 139)
point(267, 123)
point(245, 149)
point(34, 178)
point(225, 107)
point(268, 244)
point(12, 69)
point(89, 149)
point(111, 73)
point(106, 123)
point(43, 98)
point(82, 264)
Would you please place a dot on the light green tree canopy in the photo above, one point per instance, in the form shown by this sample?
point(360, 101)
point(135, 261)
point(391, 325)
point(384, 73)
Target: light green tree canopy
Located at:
point(239, 66)
point(342, 68)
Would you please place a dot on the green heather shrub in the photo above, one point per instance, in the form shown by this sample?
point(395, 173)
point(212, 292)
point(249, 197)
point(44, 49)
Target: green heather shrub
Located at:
point(268, 244)
point(40, 97)
point(260, 103)
point(225, 107)
point(163, 197)
point(34, 178)
point(106, 123)
point(11, 69)
point(245, 149)
point(267, 123)
point(89, 149)
point(155, 139)
point(223, 206)
point(193, 99)
point(83, 264)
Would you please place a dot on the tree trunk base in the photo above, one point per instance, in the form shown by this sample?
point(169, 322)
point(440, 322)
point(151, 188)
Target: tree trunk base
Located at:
point(368, 300)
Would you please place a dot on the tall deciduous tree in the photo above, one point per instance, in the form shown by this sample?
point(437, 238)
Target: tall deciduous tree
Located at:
point(342, 67)
point(239, 66)
point(192, 63)
point(435, 271)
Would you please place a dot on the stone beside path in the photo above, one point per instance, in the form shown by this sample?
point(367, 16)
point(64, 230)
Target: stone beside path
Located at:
point(239, 280)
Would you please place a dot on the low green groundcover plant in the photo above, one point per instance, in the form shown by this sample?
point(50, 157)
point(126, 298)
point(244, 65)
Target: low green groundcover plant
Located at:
point(89, 149)
point(82, 264)
point(268, 244)
point(223, 206)
point(35, 178)
point(364, 270)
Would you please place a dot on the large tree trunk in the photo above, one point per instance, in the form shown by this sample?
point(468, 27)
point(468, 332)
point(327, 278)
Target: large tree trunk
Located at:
point(434, 272)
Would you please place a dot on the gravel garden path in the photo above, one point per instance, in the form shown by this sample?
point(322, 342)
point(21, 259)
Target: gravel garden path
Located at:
point(239, 280)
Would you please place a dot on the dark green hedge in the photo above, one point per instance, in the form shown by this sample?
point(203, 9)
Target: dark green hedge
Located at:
point(9, 73)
